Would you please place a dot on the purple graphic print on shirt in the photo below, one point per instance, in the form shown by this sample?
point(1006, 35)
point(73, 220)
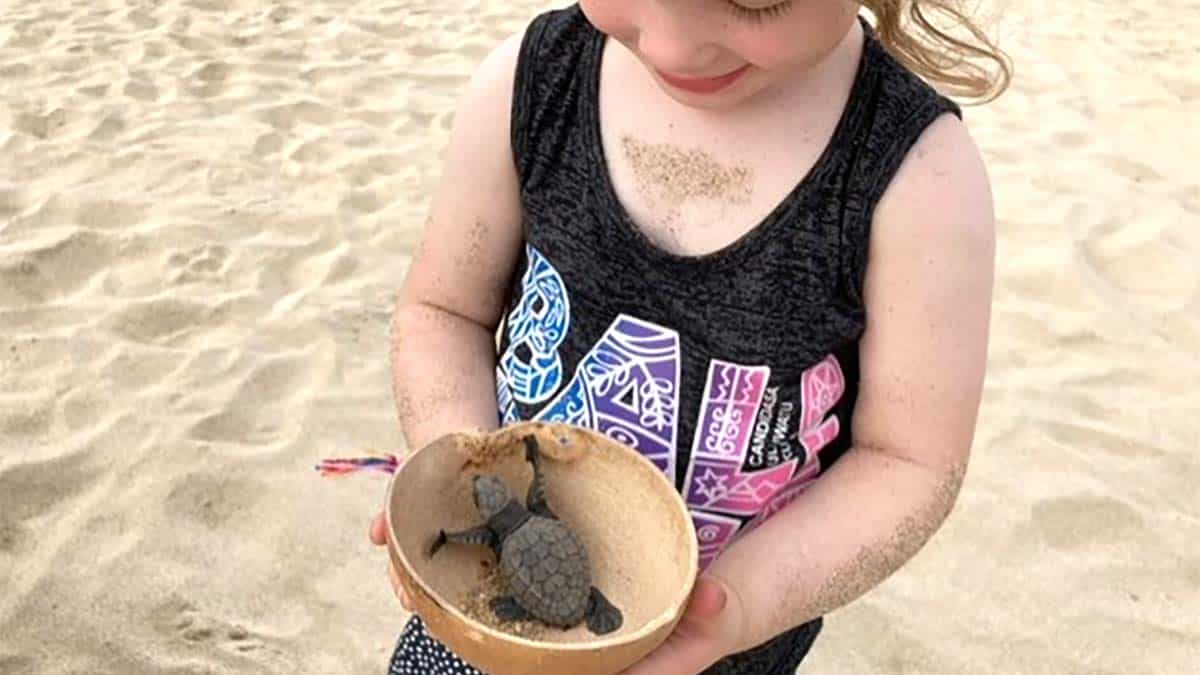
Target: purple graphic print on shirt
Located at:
point(747, 461)
point(626, 387)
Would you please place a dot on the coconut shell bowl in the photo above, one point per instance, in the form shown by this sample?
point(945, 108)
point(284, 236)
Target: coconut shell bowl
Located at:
point(640, 543)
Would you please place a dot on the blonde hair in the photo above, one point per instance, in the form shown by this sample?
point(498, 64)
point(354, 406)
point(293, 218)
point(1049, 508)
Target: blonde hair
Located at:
point(971, 67)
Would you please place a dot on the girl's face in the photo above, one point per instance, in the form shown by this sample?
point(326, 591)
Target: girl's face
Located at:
point(717, 53)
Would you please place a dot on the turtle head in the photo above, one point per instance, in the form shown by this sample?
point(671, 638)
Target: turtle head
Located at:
point(491, 495)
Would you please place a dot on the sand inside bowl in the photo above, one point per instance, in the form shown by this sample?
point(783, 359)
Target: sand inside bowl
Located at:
point(477, 604)
point(557, 443)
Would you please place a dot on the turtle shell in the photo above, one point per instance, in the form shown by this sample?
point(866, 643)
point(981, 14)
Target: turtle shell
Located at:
point(547, 569)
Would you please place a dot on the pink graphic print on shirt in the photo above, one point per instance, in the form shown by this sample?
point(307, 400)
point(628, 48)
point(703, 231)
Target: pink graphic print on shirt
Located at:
point(822, 386)
point(717, 486)
point(618, 390)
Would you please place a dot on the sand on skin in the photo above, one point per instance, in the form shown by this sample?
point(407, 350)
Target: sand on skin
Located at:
point(206, 206)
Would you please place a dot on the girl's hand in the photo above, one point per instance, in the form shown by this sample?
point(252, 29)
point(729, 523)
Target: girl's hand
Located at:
point(706, 633)
point(378, 536)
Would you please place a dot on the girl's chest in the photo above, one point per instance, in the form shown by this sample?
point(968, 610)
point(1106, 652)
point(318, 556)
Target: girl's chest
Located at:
point(693, 183)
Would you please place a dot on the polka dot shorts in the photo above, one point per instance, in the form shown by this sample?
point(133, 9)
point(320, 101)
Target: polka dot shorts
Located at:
point(417, 653)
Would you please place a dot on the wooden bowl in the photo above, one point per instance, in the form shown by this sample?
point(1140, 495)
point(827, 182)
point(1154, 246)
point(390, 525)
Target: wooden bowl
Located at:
point(640, 540)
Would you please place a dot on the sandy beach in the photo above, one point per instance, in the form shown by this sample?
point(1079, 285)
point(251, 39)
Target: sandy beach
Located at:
point(206, 207)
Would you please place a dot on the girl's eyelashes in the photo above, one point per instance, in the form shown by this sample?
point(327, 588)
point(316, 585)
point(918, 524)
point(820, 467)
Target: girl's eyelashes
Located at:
point(758, 15)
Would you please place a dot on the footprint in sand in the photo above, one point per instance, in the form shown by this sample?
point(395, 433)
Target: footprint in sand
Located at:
point(181, 620)
point(1080, 521)
point(202, 263)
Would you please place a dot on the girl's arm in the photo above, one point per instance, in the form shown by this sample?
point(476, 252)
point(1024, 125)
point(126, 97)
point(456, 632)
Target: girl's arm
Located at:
point(928, 294)
point(443, 330)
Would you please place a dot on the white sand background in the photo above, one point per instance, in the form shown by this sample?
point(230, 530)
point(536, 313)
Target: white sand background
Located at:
point(206, 207)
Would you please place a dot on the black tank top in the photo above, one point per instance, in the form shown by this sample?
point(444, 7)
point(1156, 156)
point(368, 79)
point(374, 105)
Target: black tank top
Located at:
point(735, 372)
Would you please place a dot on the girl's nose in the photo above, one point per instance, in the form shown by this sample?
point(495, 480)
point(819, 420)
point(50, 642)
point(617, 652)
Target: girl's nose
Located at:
point(672, 39)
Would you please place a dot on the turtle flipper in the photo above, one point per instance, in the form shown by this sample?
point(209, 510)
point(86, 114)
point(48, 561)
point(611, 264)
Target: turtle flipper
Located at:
point(602, 616)
point(478, 536)
point(535, 501)
point(438, 543)
point(506, 609)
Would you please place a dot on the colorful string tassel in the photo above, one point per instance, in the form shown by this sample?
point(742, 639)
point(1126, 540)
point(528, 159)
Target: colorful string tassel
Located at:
point(343, 466)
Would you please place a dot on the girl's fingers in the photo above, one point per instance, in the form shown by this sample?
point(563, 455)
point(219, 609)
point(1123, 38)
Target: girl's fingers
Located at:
point(378, 534)
point(378, 531)
point(398, 588)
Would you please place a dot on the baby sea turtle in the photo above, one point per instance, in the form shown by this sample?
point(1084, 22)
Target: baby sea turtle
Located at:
point(542, 561)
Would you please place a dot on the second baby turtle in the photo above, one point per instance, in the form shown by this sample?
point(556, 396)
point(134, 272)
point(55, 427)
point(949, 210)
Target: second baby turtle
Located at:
point(542, 561)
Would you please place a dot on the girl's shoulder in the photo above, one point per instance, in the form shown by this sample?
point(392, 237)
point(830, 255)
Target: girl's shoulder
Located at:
point(937, 159)
point(527, 60)
point(915, 169)
point(500, 71)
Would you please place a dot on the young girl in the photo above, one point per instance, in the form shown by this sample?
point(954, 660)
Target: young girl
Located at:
point(745, 238)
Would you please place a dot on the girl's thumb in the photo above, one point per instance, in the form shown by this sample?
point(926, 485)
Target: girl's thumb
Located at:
point(708, 598)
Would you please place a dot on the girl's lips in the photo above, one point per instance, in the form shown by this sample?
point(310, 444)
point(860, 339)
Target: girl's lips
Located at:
point(706, 85)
